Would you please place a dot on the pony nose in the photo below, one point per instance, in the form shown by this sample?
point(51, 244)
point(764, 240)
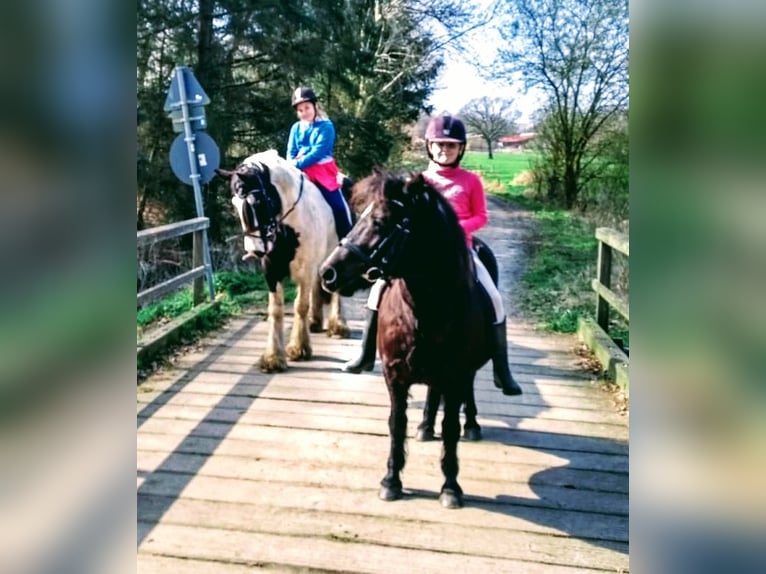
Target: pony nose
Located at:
point(329, 277)
point(373, 274)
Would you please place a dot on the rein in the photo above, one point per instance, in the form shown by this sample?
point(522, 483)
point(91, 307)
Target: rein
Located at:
point(300, 194)
point(383, 259)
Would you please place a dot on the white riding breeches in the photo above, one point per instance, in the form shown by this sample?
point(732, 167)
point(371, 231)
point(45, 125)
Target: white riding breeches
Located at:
point(374, 297)
point(481, 274)
point(489, 286)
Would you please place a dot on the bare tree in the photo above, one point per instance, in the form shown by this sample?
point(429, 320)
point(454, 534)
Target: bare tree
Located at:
point(490, 118)
point(576, 53)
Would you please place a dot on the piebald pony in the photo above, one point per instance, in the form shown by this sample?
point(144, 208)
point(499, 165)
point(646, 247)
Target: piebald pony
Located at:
point(289, 227)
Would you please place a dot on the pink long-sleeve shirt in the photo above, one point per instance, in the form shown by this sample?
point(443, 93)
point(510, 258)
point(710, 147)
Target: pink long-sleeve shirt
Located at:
point(465, 192)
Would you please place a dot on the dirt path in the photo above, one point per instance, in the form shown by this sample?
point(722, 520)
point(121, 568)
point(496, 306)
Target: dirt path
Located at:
point(509, 232)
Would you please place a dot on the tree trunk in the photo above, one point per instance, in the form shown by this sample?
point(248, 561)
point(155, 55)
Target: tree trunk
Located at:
point(570, 185)
point(205, 56)
point(206, 75)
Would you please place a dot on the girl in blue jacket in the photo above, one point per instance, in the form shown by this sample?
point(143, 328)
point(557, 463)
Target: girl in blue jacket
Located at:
point(310, 148)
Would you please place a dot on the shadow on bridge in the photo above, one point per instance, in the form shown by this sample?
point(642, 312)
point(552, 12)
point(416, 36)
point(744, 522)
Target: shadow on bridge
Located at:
point(160, 505)
point(587, 497)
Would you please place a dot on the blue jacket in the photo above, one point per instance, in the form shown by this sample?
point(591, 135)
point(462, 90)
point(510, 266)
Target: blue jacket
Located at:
point(314, 140)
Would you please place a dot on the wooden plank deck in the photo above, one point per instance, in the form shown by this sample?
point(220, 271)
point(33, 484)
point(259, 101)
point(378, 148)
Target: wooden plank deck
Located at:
point(240, 471)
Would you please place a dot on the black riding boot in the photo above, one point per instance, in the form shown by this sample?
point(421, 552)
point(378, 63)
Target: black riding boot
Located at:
point(503, 378)
point(366, 360)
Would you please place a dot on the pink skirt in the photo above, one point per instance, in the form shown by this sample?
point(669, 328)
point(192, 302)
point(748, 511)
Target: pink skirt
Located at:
point(325, 174)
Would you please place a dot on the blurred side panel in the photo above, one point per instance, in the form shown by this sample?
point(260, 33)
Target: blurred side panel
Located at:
point(698, 308)
point(67, 159)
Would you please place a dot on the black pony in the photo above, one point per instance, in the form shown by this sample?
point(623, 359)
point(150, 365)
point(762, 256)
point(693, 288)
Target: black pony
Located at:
point(433, 318)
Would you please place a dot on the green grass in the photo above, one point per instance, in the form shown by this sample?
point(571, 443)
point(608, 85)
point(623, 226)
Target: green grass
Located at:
point(238, 290)
point(556, 286)
point(502, 168)
point(499, 172)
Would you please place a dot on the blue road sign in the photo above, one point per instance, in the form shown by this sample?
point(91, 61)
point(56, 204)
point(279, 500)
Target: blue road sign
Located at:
point(205, 152)
point(196, 118)
point(195, 95)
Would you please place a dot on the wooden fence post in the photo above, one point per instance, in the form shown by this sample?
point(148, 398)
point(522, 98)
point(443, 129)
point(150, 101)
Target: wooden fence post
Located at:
point(605, 278)
point(197, 260)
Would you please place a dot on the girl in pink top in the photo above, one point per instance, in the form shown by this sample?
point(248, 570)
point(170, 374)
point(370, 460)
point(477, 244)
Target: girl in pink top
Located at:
point(445, 145)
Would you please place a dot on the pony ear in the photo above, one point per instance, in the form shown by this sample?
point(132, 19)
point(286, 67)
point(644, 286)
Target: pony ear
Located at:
point(416, 184)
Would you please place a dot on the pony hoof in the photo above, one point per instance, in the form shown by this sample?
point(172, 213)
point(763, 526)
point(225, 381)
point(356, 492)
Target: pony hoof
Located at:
point(298, 353)
point(315, 327)
point(338, 330)
point(425, 435)
point(451, 499)
point(272, 364)
point(388, 494)
point(472, 434)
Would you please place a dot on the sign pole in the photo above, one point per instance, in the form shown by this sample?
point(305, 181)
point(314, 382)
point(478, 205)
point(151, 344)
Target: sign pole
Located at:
point(190, 138)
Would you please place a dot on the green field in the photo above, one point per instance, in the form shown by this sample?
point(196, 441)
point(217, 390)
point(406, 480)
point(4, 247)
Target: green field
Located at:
point(500, 170)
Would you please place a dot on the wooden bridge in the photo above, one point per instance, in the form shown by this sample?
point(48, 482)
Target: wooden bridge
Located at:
point(241, 471)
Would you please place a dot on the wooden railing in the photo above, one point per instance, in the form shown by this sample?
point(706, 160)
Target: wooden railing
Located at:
point(609, 239)
point(595, 334)
point(196, 274)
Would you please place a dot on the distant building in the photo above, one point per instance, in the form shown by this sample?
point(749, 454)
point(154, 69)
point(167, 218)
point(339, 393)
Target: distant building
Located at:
point(516, 142)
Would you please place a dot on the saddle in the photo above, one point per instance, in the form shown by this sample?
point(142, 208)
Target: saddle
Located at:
point(487, 257)
point(346, 185)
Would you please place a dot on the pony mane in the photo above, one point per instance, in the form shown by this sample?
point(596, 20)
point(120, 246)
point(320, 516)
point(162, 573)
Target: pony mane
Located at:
point(436, 224)
point(367, 190)
point(282, 175)
point(279, 169)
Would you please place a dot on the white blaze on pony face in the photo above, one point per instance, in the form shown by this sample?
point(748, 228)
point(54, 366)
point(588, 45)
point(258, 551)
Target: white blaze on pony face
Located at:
point(238, 204)
point(252, 244)
point(367, 211)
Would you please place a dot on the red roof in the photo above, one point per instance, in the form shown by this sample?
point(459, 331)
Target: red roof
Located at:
point(520, 138)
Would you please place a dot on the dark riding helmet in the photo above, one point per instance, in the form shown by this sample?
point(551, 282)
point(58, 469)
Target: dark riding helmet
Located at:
point(303, 94)
point(446, 128)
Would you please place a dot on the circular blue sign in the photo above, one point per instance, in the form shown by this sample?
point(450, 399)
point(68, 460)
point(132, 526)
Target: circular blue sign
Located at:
point(205, 152)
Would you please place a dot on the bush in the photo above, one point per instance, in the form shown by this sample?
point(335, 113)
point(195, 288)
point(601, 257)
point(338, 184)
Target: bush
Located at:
point(604, 197)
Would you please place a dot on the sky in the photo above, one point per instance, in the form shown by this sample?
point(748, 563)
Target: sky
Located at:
point(460, 80)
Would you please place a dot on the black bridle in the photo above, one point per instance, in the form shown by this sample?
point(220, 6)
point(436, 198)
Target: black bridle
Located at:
point(263, 210)
point(382, 260)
